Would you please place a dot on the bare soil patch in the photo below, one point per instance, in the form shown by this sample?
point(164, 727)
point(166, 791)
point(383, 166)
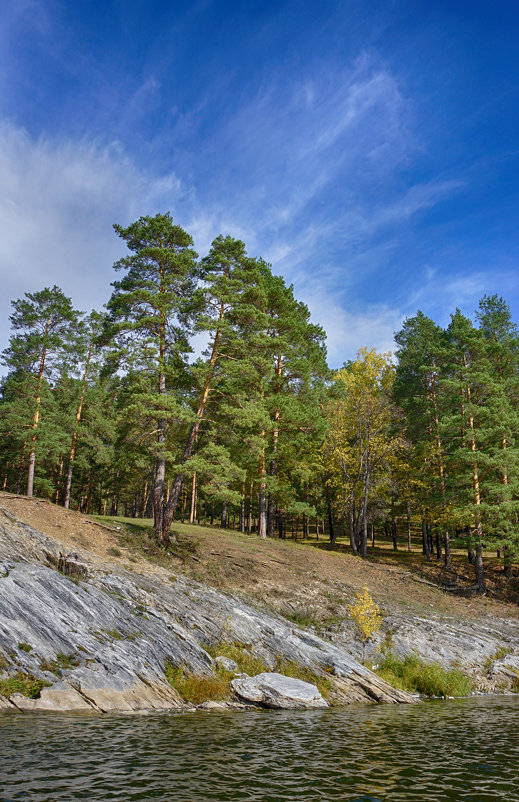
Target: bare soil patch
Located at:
point(313, 586)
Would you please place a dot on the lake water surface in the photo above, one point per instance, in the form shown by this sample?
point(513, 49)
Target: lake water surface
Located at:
point(454, 750)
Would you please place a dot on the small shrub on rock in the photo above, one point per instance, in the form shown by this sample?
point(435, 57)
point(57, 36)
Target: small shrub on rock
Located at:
point(26, 684)
point(196, 688)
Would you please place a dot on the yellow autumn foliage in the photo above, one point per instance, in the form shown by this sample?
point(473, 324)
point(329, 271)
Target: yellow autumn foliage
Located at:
point(367, 617)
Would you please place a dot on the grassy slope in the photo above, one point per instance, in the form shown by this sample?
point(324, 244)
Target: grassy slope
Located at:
point(303, 581)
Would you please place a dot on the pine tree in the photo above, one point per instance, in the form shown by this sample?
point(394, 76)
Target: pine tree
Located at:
point(298, 353)
point(465, 424)
point(149, 311)
point(228, 298)
point(501, 352)
point(47, 324)
point(421, 356)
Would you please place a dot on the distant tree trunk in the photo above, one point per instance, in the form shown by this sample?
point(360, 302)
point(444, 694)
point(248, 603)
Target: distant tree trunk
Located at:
point(249, 513)
point(262, 514)
point(90, 491)
point(242, 511)
point(478, 566)
point(429, 538)
point(441, 471)
point(193, 500)
point(58, 479)
point(425, 540)
point(20, 469)
point(36, 417)
point(364, 539)
point(262, 501)
point(393, 534)
point(372, 534)
point(271, 516)
point(353, 539)
point(447, 549)
point(408, 514)
point(507, 562)
point(223, 522)
point(331, 527)
point(160, 462)
point(438, 544)
point(145, 496)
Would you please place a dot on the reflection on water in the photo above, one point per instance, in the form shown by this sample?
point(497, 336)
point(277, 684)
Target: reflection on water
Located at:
point(458, 750)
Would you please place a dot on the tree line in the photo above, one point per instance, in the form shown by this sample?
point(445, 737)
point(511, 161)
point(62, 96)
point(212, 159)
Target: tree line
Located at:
point(110, 412)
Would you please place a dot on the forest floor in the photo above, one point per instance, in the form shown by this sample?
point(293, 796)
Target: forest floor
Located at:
point(304, 581)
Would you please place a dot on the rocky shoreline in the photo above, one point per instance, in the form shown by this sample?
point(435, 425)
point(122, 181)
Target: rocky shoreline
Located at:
point(101, 636)
point(98, 636)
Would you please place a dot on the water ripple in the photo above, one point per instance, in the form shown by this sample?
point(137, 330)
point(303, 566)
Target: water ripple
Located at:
point(450, 751)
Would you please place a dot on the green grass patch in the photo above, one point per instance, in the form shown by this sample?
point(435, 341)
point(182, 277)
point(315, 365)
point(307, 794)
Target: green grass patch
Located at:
point(26, 684)
point(196, 688)
point(303, 618)
point(62, 661)
point(501, 652)
point(248, 663)
point(25, 647)
point(113, 552)
point(429, 679)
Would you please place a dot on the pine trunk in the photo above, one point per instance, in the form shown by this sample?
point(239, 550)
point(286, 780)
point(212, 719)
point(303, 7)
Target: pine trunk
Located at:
point(262, 499)
point(193, 501)
point(172, 502)
point(36, 418)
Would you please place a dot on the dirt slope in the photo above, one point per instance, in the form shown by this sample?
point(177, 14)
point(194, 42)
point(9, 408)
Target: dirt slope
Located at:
point(312, 585)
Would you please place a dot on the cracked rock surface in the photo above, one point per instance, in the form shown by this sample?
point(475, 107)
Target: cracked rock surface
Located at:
point(101, 635)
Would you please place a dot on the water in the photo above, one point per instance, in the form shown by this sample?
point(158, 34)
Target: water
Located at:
point(456, 750)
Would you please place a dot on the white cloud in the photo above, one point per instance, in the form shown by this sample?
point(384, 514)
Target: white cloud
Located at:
point(58, 203)
point(349, 328)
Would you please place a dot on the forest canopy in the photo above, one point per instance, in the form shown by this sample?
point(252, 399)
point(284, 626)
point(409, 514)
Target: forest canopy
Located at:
point(113, 411)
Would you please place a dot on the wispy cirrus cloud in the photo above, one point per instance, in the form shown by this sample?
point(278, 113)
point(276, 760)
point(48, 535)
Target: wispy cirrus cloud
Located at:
point(307, 171)
point(58, 203)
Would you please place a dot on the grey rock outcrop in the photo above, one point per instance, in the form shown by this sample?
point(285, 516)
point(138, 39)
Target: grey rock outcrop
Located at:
point(226, 663)
point(275, 690)
point(103, 636)
point(473, 645)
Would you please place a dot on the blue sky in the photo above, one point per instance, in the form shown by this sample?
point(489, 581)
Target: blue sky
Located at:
point(369, 150)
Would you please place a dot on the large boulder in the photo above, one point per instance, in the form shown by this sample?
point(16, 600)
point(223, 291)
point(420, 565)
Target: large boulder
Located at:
point(276, 690)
